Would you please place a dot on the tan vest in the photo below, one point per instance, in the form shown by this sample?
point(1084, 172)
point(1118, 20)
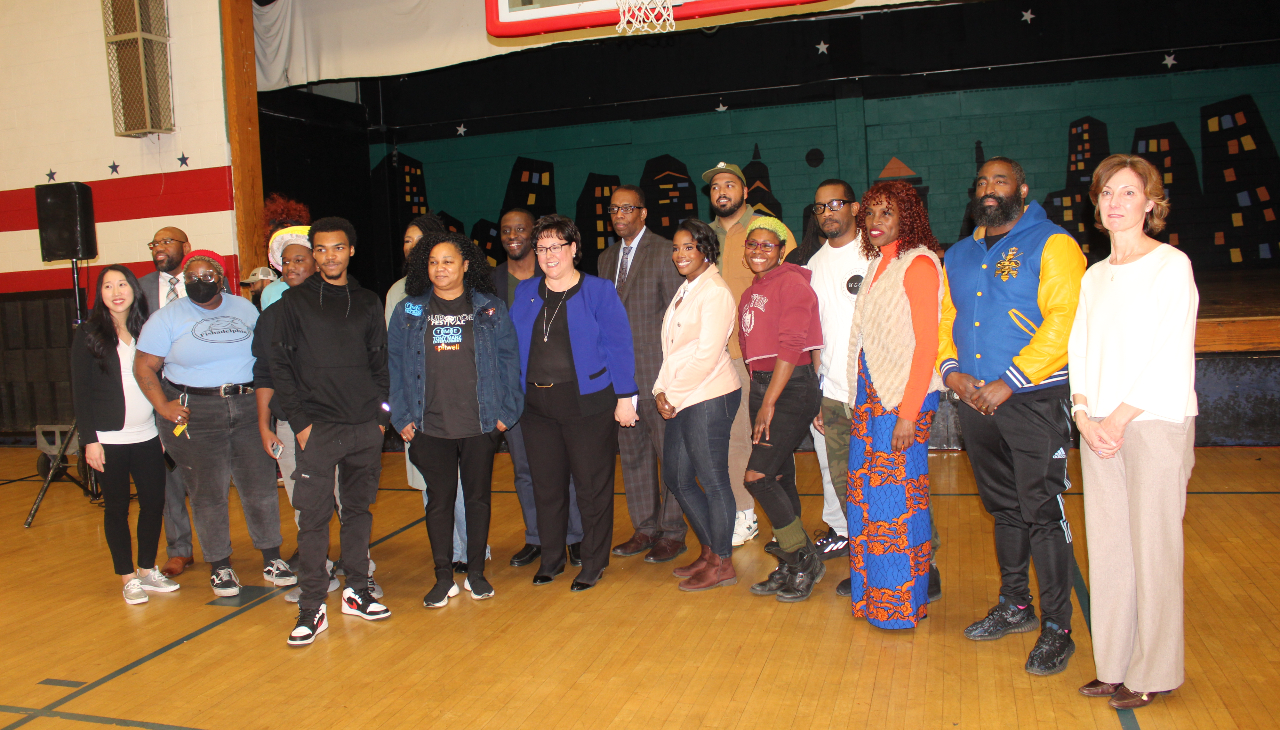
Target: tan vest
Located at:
point(882, 327)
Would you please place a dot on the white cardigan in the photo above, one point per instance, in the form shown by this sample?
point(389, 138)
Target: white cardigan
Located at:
point(1134, 336)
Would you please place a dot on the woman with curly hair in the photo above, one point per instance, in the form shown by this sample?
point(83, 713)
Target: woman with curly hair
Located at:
point(895, 322)
point(285, 221)
point(455, 387)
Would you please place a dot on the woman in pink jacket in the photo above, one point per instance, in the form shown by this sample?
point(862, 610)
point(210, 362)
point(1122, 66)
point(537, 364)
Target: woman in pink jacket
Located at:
point(699, 394)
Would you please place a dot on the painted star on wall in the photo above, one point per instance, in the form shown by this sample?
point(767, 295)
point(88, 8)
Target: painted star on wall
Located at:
point(50, 174)
point(462, 130)
point(1169, 61)
point(1027, 16)
point(822, 47)
point(182, 161)
point(722, 107)
point(115, 167)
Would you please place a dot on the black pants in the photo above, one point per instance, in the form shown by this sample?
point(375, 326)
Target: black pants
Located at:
point(773, 457)
point(145, 462)
point(442, 462)
point(357, 450)
point(1019, 460)
point(563, 442)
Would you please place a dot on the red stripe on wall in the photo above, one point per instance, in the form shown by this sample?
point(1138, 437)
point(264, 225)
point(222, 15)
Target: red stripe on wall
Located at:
point(205, 190)
point(59, 278)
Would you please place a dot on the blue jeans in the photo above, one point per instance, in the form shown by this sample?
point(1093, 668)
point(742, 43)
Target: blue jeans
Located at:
point(697, 450)
point(524, 492)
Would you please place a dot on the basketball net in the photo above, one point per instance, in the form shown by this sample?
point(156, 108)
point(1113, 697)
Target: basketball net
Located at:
point(645, 16)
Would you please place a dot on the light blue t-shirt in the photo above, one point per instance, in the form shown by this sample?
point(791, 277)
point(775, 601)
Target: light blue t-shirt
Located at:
point(272, 292)
point(203, 348)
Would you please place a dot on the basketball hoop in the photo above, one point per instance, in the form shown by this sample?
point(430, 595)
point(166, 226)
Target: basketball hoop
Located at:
point(645, 16)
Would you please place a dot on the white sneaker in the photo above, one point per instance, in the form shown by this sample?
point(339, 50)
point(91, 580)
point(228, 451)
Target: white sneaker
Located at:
point(225, 582)
point(745, 527)
point(156, 582)
point(278, 573)
point(133, 592)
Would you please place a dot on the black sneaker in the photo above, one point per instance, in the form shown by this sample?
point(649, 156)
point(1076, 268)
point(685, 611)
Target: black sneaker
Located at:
point(362, 603)
point(831, 544)
point(1052, 652)
point(225, 582)
point(845, 588)
point(479, 587)
point(440, 594)
point(1004, 618)
point(935, 583)
point(311, 621)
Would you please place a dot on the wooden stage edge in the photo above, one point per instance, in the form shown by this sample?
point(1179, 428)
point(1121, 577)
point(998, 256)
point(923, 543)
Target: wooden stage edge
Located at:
point(1238, 334)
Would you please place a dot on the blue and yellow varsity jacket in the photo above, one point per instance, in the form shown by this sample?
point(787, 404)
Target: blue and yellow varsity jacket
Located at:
point(1007, 312)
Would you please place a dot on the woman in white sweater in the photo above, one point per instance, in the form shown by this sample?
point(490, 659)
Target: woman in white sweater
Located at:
point(1132, 363)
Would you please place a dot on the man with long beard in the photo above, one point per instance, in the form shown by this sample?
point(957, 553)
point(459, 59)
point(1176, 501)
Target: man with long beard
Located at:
point(1013, 289)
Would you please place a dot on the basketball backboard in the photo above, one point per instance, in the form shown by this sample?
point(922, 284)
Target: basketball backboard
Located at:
point(514, 18)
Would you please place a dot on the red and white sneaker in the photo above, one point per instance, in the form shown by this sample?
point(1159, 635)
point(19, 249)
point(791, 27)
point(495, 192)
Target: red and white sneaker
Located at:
point(362, 603)
point(311, 621)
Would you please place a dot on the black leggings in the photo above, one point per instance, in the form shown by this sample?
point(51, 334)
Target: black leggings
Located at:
point(796, 407)
point(145, 461)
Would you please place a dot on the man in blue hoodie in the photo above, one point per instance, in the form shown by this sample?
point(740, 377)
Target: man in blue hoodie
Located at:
point(1006, 314)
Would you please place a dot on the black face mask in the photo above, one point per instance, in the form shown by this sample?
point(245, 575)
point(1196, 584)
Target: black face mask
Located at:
point(201, 292)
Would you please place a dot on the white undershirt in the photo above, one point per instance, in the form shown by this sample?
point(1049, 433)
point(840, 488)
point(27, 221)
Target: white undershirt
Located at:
point(139, 417)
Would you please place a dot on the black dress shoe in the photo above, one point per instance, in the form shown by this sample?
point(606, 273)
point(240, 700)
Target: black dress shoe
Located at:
point(542, 580)
point(844, 588)
point(460, 567)
point(526, 556)
point(578, 586)
point(575, 554)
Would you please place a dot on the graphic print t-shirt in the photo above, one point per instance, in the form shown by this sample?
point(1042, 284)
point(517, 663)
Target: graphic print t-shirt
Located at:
point(450, 409)
point(203, 348)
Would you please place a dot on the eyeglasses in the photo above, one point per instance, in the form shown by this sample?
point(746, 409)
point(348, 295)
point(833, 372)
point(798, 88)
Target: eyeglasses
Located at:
point(837, 204)
point(766, 246)
point(548, 250)
point(623, 209)
point(163, 242)
point(208, 277)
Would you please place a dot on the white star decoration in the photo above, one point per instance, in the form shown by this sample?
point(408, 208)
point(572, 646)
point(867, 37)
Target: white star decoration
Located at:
point(462, 130)
point(1168, 61)
point(822, 47)
point(722, 107)
point(1027, 16)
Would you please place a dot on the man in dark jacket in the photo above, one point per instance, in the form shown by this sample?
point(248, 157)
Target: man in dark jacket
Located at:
point(329, 366)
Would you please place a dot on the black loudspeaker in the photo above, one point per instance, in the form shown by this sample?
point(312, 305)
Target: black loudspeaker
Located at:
point(65, 215)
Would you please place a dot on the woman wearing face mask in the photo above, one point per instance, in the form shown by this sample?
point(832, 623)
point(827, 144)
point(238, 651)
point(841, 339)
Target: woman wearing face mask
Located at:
point(896, 322)
point(202, 345)
point(118, 434)
point(455, 374)
point(699, 394)
point(781, 337)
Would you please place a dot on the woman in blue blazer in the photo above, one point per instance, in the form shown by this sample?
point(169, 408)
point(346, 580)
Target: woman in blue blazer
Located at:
point(578, 369)
point(455, 388)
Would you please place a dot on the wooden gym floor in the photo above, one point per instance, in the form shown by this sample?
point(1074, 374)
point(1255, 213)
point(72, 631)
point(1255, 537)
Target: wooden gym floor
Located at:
point(633, 653)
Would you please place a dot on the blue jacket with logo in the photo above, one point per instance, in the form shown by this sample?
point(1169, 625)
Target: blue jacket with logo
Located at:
point(498, 390)
point(1007, 312)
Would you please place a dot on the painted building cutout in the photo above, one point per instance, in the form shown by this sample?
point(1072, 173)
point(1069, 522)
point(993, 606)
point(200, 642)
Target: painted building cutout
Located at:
point(530, 187)
point(669, 194)
point(592, 218)
point(1070, 207)
point(759, 190)
point(1167, 150)
point(484, 234)
point(1241, 176)
point(898, 170)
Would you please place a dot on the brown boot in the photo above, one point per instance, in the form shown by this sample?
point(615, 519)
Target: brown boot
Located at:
point(695, 566)
point(717, 572)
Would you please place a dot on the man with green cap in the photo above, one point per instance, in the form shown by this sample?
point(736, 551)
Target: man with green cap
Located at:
point(732, 214)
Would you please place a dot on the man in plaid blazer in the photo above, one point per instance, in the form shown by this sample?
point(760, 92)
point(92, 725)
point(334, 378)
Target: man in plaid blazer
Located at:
point(640, 266)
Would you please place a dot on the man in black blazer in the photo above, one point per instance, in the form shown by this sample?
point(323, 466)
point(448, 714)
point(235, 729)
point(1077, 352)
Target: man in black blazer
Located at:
point(640, 266)
point(163, 286)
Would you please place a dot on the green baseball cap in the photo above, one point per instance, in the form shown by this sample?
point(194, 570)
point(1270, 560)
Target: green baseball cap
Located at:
point(728, 167)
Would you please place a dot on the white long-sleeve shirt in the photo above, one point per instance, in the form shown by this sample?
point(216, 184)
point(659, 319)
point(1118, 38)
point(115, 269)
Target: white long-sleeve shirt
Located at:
point(1133, 340)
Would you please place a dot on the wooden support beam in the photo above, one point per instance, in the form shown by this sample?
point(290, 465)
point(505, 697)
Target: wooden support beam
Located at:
point(240, 83)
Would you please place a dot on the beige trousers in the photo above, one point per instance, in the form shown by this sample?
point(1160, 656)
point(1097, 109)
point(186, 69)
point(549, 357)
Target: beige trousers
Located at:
point(1133, 508)
point(740, 441)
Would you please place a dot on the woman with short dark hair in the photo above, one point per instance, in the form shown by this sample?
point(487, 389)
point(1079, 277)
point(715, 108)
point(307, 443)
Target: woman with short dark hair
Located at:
point(698, 393)
point(578, 370)
point(118, 436)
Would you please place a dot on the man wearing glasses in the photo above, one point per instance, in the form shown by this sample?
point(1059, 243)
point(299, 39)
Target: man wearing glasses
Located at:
point(640, 267)
point(728, 188)
point(164, 286)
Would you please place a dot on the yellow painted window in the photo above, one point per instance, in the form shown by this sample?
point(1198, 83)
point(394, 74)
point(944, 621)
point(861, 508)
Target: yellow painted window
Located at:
point(600, 226)
point(1168, 178)
point(532, 197)
point(1235, 256)
point(1067, 215)
point(1237, 219)
point(1247, 142)
point(1213, 124)
point(546, 178)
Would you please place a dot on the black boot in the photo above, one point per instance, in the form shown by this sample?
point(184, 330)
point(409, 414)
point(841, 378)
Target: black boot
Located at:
point(804, 570)
point(777, 579)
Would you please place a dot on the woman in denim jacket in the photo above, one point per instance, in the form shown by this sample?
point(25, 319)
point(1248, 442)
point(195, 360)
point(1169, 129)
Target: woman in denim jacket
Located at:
point(455, 387)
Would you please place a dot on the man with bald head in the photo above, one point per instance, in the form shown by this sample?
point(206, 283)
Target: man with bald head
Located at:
point(164, 286)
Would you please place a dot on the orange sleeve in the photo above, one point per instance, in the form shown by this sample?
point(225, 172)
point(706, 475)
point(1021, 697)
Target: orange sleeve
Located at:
point(921, 282)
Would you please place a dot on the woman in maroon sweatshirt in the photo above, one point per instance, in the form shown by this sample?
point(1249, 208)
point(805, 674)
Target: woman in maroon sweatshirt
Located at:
point(781, 337)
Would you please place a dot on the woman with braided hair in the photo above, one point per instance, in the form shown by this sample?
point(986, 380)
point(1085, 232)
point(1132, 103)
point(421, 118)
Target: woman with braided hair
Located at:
point(455, 388)
point(895, 322)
